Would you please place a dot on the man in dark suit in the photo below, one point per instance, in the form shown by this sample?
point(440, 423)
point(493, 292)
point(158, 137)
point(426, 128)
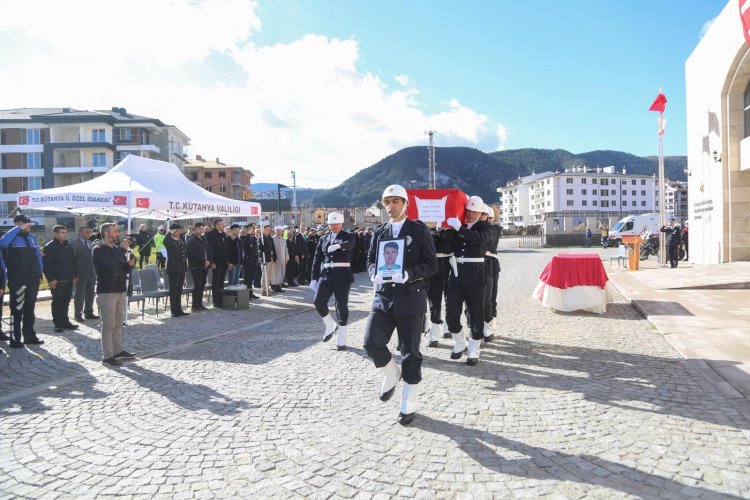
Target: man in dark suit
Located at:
point(249, 259)
point(468, 281)
point(199, 258)
point(332, 275)
point(219, 261)
point(59, 264)
point(303, 253)
point(400, 302)
point(176, 268)
point(83, 295)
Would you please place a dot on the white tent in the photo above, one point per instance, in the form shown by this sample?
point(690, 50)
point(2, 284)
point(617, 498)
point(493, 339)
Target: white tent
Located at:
point(138, 188)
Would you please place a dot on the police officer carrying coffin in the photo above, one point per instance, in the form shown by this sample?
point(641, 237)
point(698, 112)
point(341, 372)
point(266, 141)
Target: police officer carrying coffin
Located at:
point(332, 275)
point(468, 280)
point(492, 264)
point(436, 283)
point(401, 302)
point(24, 264)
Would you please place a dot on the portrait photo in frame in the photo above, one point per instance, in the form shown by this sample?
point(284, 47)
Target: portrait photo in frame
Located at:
point(390, 258)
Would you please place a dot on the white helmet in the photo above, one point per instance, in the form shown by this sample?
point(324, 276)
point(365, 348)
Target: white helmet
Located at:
point(490, 212)
point(475, 204)
point(335, 218)
point(395, 190)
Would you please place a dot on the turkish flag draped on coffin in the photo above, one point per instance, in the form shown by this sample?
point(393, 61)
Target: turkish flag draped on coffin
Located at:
point(436, 205)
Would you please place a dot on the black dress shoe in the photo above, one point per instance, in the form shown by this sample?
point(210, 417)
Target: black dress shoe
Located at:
point(406, 418)
point(388, 394)
point(92, 316)
point(33, 342)
point(253, 296)
point(70, 326)
point(457, 355)
point(446, 335)
point(79, 319)
point(433, 343)
point(489, 338)
point(341, 348)
point(59, 329)
point(16, 344)
point(4, 336)
point(111, 362)
point(472, 361)
point(184, 313)
point(124, 355)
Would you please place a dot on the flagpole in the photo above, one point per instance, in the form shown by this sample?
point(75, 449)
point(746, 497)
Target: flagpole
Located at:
point(662, 211)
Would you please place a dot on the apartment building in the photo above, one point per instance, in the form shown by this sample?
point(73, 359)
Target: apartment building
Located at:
point(52, 147)
point(577, 192)
point(231, 181)
point(676, 199)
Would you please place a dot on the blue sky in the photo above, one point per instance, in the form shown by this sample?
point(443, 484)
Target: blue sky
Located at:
point(327, 88)
point(577, 75)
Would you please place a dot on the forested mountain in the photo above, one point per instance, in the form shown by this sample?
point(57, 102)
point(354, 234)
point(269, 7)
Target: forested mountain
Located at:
point(478, 173)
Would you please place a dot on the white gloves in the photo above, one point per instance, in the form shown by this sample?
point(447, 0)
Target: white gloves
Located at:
point(314, 285)
point(400, 278)
point(333, 248)
point(454, 223)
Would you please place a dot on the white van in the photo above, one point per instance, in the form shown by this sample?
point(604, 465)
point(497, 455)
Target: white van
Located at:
point(634, 225)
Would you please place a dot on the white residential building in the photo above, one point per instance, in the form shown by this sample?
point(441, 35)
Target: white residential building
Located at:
point(52, 147)
point(577, 192)
point(676, 200)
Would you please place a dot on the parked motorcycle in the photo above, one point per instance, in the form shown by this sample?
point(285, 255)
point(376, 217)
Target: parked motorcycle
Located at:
point(651, 247)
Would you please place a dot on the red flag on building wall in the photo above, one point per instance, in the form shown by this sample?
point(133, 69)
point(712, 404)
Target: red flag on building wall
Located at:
point(659, 104)
point(745, 18)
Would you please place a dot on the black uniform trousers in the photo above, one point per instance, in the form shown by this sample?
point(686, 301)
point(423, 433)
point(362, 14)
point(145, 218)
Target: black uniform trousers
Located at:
point(436, 291)
point(199, 285)
point(143, 256)
point(23, 292)
point(176, 281)
point(291, 271)
point(248, 275)
point(490, 294)
point(217, 284)
point(302, 275)
point(672, 252)
point(340, 290)
point(61, 295)
point(473, 296)
point(378, 332)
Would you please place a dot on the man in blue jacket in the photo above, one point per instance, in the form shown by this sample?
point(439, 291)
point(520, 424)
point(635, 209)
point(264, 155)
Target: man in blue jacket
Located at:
point(24, 272)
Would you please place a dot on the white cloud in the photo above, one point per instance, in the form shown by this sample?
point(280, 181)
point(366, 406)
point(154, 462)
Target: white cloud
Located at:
point(300, 106)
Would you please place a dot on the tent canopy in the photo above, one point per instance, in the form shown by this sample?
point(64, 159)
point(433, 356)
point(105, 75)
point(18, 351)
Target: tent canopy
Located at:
point(138, 188)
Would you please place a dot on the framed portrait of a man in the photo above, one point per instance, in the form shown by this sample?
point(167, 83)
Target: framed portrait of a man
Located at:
point(390, 258)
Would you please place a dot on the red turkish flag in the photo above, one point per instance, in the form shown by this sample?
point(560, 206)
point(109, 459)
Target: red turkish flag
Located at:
point(23, 200)
point(745, 18)
point(119, 200)
point(253, 210)
point(142, 202)
point(659, 104)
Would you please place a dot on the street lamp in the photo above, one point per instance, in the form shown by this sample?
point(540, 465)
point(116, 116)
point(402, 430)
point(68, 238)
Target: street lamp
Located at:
point(411, 184)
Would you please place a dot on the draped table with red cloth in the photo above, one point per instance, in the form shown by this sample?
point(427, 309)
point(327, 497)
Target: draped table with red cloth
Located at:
point(573, 281)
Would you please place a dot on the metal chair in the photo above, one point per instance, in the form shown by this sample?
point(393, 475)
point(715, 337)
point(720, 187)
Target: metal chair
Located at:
point(622, 254)
point(150, 289)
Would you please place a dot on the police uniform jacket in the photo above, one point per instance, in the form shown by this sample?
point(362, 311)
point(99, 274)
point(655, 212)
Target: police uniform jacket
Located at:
point(420, 262)
point(493, 265)
point(443, 246)
point(472, 242)
point(59, 261)
point(674, 234)
point(176, 255)
point(22, 256)
point(198, 252)
point(249, 250)
point(340, 256)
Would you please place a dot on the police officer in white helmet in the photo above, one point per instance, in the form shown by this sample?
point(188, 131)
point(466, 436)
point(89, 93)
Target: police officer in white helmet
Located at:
point(332, 275)
point(400, 303)
point(468, 279)
point(492, 264)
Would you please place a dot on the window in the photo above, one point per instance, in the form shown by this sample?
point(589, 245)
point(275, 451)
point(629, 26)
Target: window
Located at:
point(593, 191)
point(569, 180)
point(126, 134)
point(624, 203)
point(208, 188)
point(604, 182)
point(193, 176)
point(643, 192)
point(614, 203)
point(548, 192)
point(605, 192)
point(549, 203)
point(643, 203)
point(633, 192)
point(570, 203)
point(643, 182)
point(97, 135)
point(100, 159)
point(222, 175)
point(583, 180)
point(584, 202)
point(32, 136)
point(207, 175)
point(548, 181)
point(583, 191)
point(34, 160)
point(568, 191)
point(35, 183)
point(624, 192)
point(222, 189)
point(595, 203)
point(593, 181)
point(605, 204)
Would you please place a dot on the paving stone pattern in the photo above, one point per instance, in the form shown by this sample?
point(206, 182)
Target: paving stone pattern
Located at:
point(251, 404)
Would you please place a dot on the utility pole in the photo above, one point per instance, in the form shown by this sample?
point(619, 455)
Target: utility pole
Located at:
point(431, 160)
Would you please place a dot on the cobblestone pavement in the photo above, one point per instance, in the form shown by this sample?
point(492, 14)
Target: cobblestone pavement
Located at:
point(252, 404)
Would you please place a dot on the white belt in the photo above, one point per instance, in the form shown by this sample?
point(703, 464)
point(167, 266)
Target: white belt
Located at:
point(493, 255)
point(443, 255)
point(464, 260)
point(329, 265)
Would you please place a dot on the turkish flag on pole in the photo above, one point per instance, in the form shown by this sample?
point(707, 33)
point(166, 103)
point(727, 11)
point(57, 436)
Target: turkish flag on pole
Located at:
point(659, 104)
